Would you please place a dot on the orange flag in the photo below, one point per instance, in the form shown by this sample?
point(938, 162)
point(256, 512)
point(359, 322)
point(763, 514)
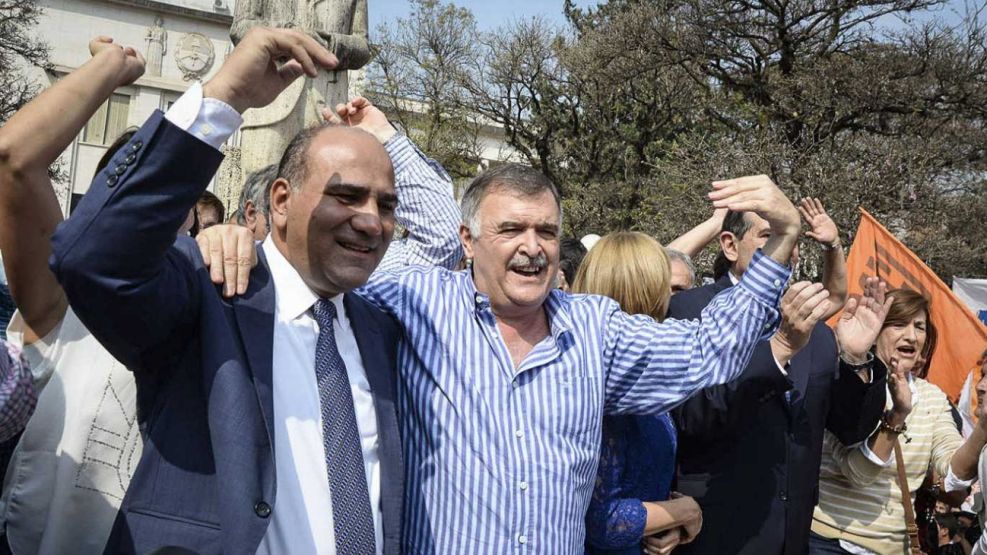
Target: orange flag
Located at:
point(962, 338)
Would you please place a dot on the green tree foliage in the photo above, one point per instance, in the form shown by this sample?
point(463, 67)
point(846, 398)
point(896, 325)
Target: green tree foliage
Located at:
point(636, 105)
point(415, 77)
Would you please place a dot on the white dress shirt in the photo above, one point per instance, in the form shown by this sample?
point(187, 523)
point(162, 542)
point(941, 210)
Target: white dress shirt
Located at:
point(301, 521)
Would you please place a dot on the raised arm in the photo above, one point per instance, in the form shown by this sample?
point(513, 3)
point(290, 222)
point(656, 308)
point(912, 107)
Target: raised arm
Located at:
point(692, 242)
point(427, 209)
point(824, 232)
point(653, 367)
point(114, 257)
point(720, 410)
point(31, 142)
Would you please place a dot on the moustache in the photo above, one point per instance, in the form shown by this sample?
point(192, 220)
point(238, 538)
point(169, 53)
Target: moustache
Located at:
point(523, 261)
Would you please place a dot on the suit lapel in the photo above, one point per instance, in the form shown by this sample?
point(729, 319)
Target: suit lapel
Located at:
point(381, 374)
point(368, 340)
point(255, 319)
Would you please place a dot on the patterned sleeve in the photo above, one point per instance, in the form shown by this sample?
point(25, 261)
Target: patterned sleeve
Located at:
point(613, 521)
point(427, 210)
point(653, 367)
point(17, 395)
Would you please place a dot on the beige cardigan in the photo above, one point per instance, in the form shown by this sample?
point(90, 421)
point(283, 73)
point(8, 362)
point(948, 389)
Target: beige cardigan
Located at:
point(860, 501)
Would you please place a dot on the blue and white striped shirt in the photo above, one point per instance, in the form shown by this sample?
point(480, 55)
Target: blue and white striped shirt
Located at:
point(503, 459)
point(427, 211)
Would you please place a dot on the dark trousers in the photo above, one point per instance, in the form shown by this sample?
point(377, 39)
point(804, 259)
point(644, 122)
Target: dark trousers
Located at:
point(819, 545)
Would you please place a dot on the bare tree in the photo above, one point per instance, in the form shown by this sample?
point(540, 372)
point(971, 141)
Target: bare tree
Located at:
point(18, 50)
point(415, 78)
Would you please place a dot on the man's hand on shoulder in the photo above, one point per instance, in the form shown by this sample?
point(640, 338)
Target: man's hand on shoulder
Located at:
point(230, 253)
point(264, 63)
point(362, 114)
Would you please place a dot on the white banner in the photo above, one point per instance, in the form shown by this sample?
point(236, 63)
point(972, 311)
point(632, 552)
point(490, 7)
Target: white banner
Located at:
point(973, 292)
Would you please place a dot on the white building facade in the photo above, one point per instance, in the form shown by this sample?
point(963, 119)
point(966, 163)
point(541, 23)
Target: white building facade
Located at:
point(183, 41)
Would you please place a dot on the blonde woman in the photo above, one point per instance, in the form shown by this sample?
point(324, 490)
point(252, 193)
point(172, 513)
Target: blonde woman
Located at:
point(631, 502)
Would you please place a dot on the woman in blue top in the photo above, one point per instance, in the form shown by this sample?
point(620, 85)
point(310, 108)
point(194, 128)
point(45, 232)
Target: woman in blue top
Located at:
point(633, 509)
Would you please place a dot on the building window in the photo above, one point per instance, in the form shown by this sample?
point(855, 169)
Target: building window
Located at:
point(109, 122)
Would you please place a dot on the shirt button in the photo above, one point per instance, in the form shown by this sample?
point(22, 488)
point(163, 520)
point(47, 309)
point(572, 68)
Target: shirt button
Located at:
point(784, 496)
point(515, 385)
point(522, 539)
point(777, 283)
point(523, 485)
point(519, 433)
point(262, 509)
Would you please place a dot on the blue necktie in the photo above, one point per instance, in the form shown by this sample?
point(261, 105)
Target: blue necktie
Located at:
point(352, 518)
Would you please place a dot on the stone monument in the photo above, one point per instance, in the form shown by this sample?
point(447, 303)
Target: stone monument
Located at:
point(341, 26)
point(156, 38)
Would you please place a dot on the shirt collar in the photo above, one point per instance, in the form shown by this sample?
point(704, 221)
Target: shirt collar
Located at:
point(294, 298)
point(556, 305)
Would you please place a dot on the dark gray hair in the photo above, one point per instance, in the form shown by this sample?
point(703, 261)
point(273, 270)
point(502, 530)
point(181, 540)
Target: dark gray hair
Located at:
point(518, 178)
point(684, 259)
point(736, 223)
point(257, 189)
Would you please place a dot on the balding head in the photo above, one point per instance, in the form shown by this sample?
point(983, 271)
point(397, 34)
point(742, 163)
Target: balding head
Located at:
point(332, 207)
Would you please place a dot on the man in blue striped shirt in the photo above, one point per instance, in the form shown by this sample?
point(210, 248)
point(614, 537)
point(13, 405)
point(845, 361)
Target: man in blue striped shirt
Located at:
point(505, 379)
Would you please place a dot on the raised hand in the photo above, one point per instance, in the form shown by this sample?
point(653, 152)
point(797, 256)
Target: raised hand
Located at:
point(901, 394)
point(802, 306)
point(361, 113)
point(822, 228)
point(264, 63)
point(759, 194)
point(230, 253)
point(131, 61)
point(862, 319)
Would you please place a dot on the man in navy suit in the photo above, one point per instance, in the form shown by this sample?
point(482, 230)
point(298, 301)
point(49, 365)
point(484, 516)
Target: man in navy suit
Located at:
point(749, 450)
point(269, 417)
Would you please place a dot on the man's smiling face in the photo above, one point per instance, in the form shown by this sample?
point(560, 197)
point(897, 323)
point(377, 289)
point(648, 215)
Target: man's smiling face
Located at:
point(516, 252)
point(338, 223)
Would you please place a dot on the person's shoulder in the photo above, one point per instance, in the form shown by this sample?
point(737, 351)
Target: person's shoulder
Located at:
point(380, 320)
point(585, 303)
point(189, 249)
point(931, 391)
point(691, 302)
point(421, 274)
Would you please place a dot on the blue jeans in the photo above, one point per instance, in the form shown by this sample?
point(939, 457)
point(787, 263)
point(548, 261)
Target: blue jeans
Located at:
point(819, 545)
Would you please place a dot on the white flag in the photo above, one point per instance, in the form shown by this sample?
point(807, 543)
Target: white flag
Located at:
point(973, 292)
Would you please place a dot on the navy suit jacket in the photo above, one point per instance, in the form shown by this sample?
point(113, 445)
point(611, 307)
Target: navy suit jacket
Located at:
point(203, 364)
point(750, 455)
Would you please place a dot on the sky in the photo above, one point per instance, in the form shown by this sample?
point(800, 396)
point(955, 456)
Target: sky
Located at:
point(489, 13)
point(492, 13)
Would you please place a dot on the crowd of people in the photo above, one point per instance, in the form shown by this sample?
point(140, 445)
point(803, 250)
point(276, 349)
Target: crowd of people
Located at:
point(300, 380)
